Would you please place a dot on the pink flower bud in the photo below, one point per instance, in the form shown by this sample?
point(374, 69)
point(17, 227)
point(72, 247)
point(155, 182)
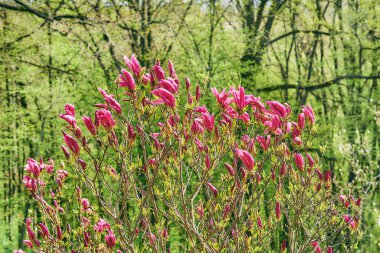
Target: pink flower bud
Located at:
point(259, 222)
point(82, 164)
point(301, 121)
point(188, 84)
point(207, 162)
point(231, 170)
point(197, 93)
point(298, 159)
point(213, 189)
point(273, 175)
point(131, 132)
point(152, 238)
point(330, 249)
point(283, 170)
point(226, 210)
point(310, 160)
point(309, 113)
point(86, 239)
point(283, 246)
point(59, 233)
point(278, 210)
point(171, 69)
point(199, 209)
point(44, 230)
point(71, 143)
point(319, 173)
point(164, 233)
point(89, 124)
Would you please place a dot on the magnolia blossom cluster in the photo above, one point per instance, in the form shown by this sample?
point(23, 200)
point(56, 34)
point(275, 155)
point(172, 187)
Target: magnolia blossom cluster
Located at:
point(231, 157)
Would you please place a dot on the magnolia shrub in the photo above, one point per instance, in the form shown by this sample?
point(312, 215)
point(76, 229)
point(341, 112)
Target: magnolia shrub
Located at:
point(157, 173)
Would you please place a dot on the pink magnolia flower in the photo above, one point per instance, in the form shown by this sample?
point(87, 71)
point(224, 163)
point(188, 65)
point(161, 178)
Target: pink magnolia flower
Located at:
point(165, 97)
point(111, 101)
point(30, 183)
point(31, 235)
point(264, 142)
point(245, 117)
point(213, 189)
point(44, 230)
point(89, 124)
point(126, 80)
point(70, 110)
point(104, 118)
point(208, 121)
point(69, 119)
point(246, 158)
point(158, 72)
point(309, 113)
point(169, 85)
point(33, 167)
point(274, 124)
point(133, 64)
point(101, 226)
point(298, 159)
point(197, 126)
point(221, 97)
point(110, 239)
point(277, 108)
point(316, 247)
point(85, 205)
point(71, 143)
point(241, 100)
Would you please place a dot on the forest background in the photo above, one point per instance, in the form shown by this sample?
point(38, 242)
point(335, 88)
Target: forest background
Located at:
point(325, 53)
